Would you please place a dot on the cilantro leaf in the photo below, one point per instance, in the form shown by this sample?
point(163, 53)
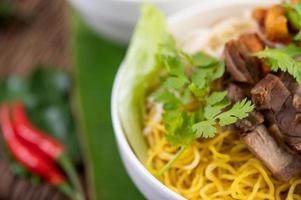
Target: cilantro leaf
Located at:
point(239, 110)
point(175, 83)
point(216, 117)
point(178, 125)
point(205, 129)
point(164, 97)
point(284, 59)
point(298, 36)
point(191, 110)
point(198, 91)
point(200, 59)
point(216, 97)
point(218, 71)
point(293, 13)
point(169, 57)
point(202, 78)
point(173, 120)
point(212, 111)
point(204, 69)
point(199, 78)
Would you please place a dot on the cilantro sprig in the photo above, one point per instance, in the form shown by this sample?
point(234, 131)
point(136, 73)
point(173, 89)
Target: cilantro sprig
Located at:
point(215, 116)
point(293, 13)
point(191, 109)
point(283, 59)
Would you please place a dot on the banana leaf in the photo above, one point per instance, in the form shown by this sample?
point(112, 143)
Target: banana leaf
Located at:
point(95, 64)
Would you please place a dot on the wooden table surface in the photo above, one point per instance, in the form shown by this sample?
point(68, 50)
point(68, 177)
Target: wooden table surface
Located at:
point(38, 34)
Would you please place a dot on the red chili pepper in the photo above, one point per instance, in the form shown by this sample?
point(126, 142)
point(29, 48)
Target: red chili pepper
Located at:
point(41, 143)
point(33, 161)
point(33, 136)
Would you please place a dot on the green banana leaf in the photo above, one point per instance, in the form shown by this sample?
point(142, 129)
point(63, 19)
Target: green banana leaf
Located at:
point(95, 64)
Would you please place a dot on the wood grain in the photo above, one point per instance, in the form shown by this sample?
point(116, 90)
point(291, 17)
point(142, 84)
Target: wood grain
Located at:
point(42, 38)
point(37, 35)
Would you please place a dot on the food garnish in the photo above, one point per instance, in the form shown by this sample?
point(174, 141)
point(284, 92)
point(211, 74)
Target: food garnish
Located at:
point(293, 13)
point(284, 59)
point(276, 26)
point(188, 84)
point(254, 87)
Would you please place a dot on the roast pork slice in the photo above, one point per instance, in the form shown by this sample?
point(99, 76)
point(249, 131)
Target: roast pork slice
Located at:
point(297, 98)
point(251, 122)
point(281, 163)
point(285, 125)
point(240, 63)
point(276, 134)
point(294, 143)
point(292, 85)
point(270, 93)
point(235, 93)
point(283, 140)
point(269, 117)
point(252, 42)
point(289, 81)
point(289, 120)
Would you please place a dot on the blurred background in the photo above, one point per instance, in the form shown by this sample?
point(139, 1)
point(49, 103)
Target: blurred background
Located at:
point(59, 59)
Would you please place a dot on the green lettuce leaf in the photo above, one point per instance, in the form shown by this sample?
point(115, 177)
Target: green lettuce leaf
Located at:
point(140, 68)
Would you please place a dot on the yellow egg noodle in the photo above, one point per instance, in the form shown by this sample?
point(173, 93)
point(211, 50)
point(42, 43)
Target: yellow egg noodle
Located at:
point(221, 168)
point(214, 169)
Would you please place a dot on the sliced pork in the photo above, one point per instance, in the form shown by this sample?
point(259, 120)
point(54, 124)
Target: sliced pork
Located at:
point(276, 96)
point(235, 93)
point(281, 163)
point(252, 42)
point(251, 122)
point(242, 66)
point(270, 93)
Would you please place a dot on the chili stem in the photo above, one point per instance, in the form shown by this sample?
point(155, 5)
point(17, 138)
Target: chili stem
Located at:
point(66, 189)
point(67, 166)
point(170, 162)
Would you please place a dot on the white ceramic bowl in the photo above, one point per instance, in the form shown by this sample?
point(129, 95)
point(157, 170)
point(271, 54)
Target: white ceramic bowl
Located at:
point(203, 15)
point(115, 19)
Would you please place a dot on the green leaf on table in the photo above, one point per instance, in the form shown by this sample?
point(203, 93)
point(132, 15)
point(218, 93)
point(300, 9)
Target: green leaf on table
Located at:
point(96, 61)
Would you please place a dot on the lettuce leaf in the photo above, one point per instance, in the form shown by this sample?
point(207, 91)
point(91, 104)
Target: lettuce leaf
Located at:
point(140, 67)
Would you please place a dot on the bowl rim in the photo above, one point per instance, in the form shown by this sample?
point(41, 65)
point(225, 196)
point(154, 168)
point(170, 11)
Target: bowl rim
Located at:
point(120, 137)
point(124, 146)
